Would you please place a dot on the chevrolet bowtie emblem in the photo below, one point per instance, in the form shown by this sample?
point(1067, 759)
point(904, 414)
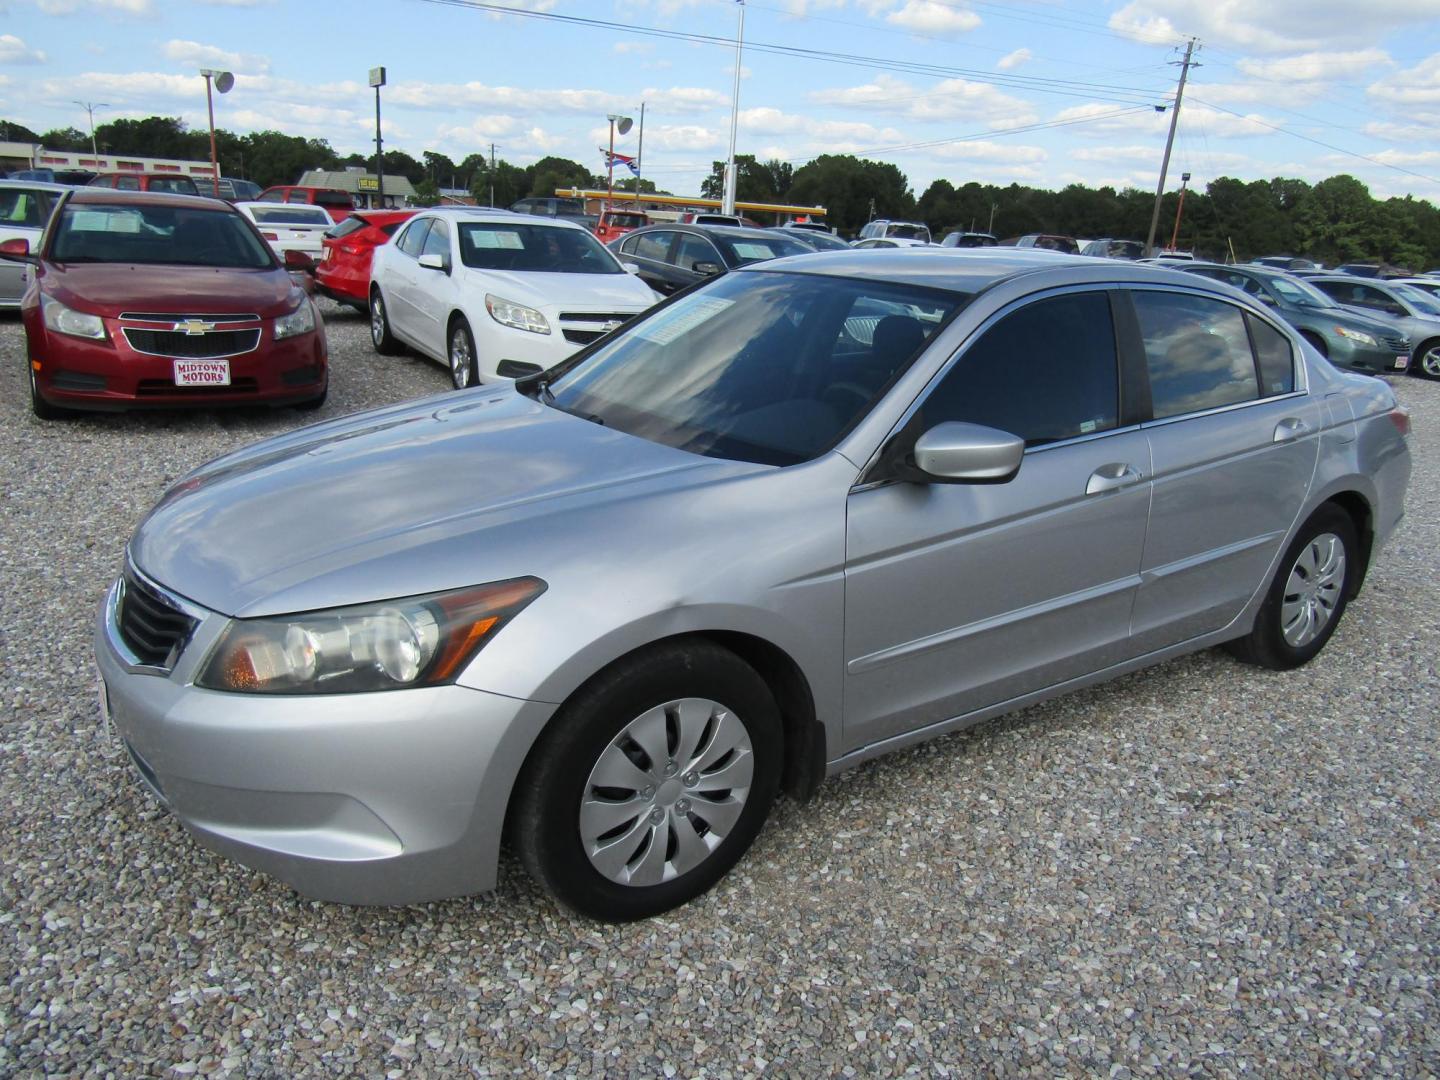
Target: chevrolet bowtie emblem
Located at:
point(194, 327)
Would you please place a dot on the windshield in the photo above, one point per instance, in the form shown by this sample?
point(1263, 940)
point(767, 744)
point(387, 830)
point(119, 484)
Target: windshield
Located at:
point(1300, 293)
point(159, 235)
point(291, 215)
point(742, 250)
point(536, 249)
point(1420, 300)
point(172, 185)
point(909, 232)
point(761, 366)
point(627, 221)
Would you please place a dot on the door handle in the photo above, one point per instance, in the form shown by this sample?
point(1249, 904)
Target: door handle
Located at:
point(1290, 429)
point(1112, 477)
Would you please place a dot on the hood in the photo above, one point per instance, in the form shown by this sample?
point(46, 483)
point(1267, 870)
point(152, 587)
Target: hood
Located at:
point(107, 289)
point(437, 494)
point(1353, 320)
point(567, 292)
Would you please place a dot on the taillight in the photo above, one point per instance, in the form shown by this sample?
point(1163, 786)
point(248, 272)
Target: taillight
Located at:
point(1400, 417)
point(348, 250)
point(270, 236)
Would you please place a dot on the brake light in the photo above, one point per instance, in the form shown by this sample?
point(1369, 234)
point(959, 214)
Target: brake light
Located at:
point(348, 250)
point(1400, 417)
point(270, 236)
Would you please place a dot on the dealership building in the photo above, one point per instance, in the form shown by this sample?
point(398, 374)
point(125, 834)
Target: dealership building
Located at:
point(363, 186)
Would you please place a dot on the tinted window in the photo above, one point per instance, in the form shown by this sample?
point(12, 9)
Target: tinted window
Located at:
point(90, 232)
point(175, 185)
point(533, 248)
point(1275, 357)
point(694, 249)
point(437, 241)
point(272, 196)
point(21, 209)
point(290, 215)
point(742, 250)
point(127, 183)
point(627, 221)
point(334, 198)
point(771, 368)
point(655, 245)
point(1197, 351)
point(1045, 372)
point(413, 238)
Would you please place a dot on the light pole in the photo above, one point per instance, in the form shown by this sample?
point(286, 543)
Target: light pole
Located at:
point(222, 81)
point(377, 80)
point(625, 124)
point(90, 107)
point(727, 202)
point(1175, 236)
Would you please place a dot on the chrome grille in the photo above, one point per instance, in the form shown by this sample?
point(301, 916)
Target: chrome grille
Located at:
point(597, 322)
point(174, 317)
point(210, 345)
point(1396, 343)
point(152, 627)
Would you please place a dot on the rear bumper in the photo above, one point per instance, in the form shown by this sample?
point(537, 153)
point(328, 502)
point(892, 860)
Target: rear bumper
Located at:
point(343, 284)
point(382, 798)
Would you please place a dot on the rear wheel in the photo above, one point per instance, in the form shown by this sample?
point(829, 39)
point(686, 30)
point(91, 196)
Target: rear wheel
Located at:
point(1426, 364)
point(463, 369)
point(650, 783)
point(380, 334)
point(42, 408)
point(1308, 595)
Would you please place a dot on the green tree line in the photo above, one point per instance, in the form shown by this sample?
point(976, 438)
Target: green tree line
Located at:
point(1335, 220)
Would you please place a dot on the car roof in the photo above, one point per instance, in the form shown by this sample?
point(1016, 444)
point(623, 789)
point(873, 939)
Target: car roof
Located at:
point(728, 232)
point(114, 197)
point(36, 185)
point(969, 270)
point(281, 206)
point(496, 216)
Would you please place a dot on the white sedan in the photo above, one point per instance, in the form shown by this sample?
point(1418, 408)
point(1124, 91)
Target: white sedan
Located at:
point(494, 295)
point(888, 242)
point(290, 227)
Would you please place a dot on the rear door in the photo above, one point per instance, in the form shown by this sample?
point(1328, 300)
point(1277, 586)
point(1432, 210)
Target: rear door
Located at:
point(962, 596)
point(435, 290)
point(1234, 439)
point(400, 281)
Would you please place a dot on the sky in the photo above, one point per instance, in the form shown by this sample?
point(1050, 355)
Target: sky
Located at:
point(1038, 92)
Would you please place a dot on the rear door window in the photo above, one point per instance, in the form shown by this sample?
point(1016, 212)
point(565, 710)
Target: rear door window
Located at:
point(1274, 356)
point(694, 249)
point(1045, 372)
point(127, 183)
point(654, 245)
point(1198, 353)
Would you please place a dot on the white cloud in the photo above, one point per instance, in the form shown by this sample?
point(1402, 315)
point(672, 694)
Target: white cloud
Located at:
point(1315, 66)
point(930, 17)
point(194, 54)
point(233, 3)
point(117, 7)
point(1193, 117)
point(476, 95)
point(1014, 59)
point(950, 99)
point(624, 47)
point(1418, 85)
point(998, 153)
point(1271, 26)
point(15, 51)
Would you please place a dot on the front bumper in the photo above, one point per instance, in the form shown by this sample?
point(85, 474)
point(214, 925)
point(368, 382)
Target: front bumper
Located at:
point(1354, 356)
point(382, 798)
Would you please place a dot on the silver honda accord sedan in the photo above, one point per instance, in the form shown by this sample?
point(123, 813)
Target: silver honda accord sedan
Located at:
point(816, 510)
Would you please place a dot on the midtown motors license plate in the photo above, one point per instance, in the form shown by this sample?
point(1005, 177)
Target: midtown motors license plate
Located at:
point(202, 372)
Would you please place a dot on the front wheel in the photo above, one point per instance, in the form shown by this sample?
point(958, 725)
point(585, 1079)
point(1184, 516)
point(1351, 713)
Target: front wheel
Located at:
point(1307, 596)
point(381, 335)
point(650, 783)
point(42, 409)
point(1426, 364)
point(463, 369)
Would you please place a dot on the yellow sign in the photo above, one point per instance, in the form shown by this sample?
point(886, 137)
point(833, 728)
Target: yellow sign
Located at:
point(367, 183)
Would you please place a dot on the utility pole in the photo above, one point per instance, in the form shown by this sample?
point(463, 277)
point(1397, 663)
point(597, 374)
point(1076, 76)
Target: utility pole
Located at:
point(640, 152)
point(1185, 66)
point(991, 227)
point(377, 80)
point(727, 202)
point(90, 107)
point(1175, 236)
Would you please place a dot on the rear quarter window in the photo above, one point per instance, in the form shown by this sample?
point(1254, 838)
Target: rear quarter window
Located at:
point(1197, 351)
point(1274, 357)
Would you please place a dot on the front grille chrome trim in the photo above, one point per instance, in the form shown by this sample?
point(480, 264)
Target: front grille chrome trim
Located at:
point(252, 334)
point(172, 317)
point(114, 598)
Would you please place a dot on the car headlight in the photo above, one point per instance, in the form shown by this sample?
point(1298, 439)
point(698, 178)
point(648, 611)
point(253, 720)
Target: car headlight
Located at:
point(299, 321)
point(509, 313)
point(391, 645)
point(64, 320)
point(1358, 336)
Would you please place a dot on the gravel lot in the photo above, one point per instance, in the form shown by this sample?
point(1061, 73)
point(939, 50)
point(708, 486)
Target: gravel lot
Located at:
point(1202, 869)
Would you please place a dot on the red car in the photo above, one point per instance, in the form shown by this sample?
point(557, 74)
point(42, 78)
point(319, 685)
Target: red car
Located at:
point(615, 223)
point(142, 300)
point(338, 204)
point(343, 272)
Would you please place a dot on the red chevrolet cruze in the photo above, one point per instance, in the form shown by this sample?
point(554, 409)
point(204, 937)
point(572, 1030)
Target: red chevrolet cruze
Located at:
point(144, 300)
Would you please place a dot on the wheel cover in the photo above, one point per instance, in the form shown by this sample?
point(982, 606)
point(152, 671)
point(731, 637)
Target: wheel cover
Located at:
point(460, 358)
point(1313, 590)
point(1430, 362)
point(666, 792)
point(377, 319)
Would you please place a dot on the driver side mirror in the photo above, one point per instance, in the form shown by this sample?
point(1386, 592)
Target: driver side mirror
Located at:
point(298, 260)
point(18, 251)
point(432, 261)
point(630, 268)
point(709, 269)
point(960, 453)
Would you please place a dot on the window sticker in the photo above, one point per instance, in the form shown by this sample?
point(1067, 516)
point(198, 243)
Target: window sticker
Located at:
point(752, 251)
point(665, 327)
point(495, 239)
point(124, 221)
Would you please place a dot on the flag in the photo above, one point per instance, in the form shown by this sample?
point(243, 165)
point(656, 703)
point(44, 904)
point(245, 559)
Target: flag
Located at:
point(614, 160)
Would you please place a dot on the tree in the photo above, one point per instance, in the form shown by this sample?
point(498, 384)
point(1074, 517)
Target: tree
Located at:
point(848, 187)
point(13, 132)
point(645, 186)
point(439, 168)
point(550, 173)
point(510, 183)
point(71, 139)
point(427, 193)
point(755, 181)
point(1331, 219)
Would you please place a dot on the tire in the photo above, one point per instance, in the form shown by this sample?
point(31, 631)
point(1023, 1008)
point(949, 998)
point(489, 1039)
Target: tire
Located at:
point(381, 335)
point(42, 408)
point(464, 370)
point(1309, 557)
point(669, 698)
point(1317, 342)
point(1426, 363)
point(314, 403)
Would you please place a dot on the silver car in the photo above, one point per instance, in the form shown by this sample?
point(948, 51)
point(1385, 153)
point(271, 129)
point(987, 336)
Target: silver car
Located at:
point(813, 511)
point(25, 207)
point(1414, 311)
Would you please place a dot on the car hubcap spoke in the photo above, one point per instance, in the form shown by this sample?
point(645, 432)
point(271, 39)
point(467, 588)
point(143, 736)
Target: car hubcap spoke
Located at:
point(1430, 362)
point(460, 359)
point(1312, 591)
point(666, 792)
point(377, 320)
